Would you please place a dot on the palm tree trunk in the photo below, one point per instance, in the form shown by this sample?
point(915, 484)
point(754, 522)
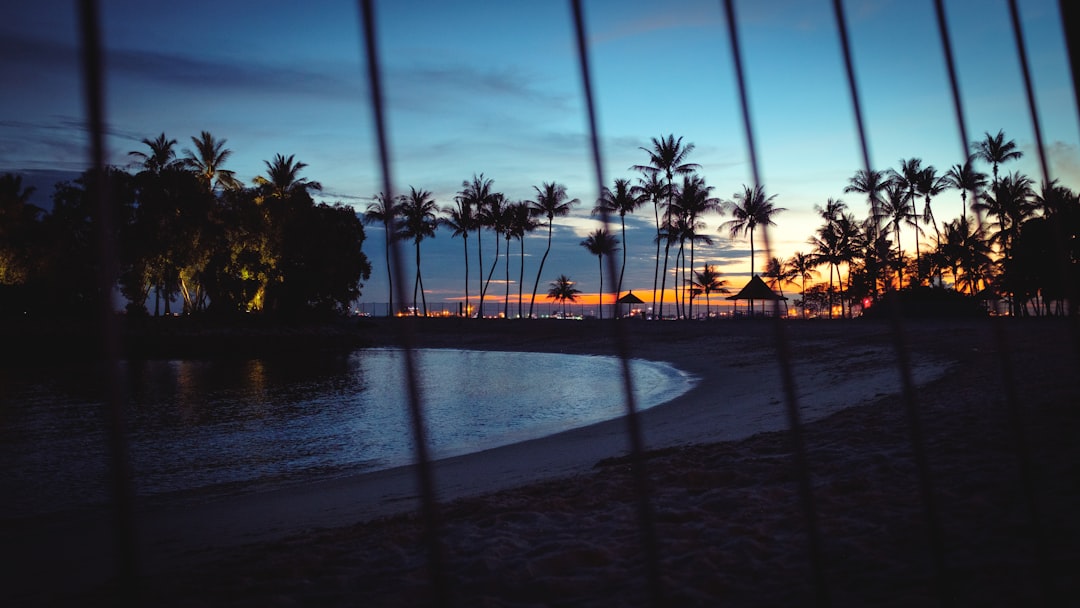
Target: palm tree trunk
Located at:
point(622, 269)
point(656, 270)
point(494, 264)
point(480, 263)
point(663, 278)
point(540, 270)
point(521, 275)
point(389, 275)
point(600, 306)
point(420, 278)
point(465, 240)
point(506, 296)
point(752, 275)
point(691, 311)
point(802, 295)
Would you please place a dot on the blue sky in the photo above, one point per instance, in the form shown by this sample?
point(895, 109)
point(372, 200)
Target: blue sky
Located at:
point(494, 88)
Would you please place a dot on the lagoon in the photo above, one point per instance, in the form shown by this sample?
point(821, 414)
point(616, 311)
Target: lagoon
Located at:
point(220, 426)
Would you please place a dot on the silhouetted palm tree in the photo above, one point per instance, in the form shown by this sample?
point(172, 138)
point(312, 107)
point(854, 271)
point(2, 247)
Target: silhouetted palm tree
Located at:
point(965, 179)
point(624, 199)
point(872, 184)
point(418, 221)
point(908, 179)
point(894, 211)
point(162, 154)
point(283, 179)
point(493, 217)
point(1011, 202)
point(383, 211)
point(692, 202)
point(995, 150)
point(750, 209)
point(929, 185)
point(478, 193)
point(776, 270)
point(654, 188)
point(708, 281)
point(461, 220)
point(802, 266)
point(207, 159)
point(551, 202)
point(667, 158)
point(521, 223)
point(600, 243)
point(563, 290)
point(966, 251)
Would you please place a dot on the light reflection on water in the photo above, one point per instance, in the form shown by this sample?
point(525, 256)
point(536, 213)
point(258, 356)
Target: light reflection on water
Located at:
point(230, 425)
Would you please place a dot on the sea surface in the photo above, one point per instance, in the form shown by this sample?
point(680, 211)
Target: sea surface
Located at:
point(221, 426)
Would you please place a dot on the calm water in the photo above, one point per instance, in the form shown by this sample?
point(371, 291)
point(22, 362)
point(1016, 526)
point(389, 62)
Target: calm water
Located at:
point(221, 426)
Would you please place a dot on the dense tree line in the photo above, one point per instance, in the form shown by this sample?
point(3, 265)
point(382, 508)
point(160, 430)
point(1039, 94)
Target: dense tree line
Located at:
point(1011, 242)
point(187, 231)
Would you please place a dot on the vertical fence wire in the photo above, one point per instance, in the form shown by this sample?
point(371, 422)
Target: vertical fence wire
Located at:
point(903, 354)
point(1008, 378)
point(646, 523)
point(791, 402)
point(121, 493)
point(437, 569)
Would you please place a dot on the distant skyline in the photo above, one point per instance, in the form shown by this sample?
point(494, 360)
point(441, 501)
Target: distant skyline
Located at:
point(476, 87)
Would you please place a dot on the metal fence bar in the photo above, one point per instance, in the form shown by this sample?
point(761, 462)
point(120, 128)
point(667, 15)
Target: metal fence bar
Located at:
point(121, 493)
point(1023, 451)
point(439, 581)
point(791, 402)
point(642, 492)
point(903, 355)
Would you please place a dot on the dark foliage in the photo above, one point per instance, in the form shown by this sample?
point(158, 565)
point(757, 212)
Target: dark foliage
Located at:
point(927, 303)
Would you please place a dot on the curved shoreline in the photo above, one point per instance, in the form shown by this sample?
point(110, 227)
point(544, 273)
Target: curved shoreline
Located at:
point(837, 366)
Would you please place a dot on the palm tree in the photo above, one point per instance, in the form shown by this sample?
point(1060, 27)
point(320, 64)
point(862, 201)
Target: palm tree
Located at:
point(750, 209)
point(776, 270)
point(461, 220)
point(871, 183)
point(551, 202)
point(995, 150)
point(966, 251)
point(908, 179)
point(418, 221)
point(653, 187)
point(206, 160)
point(383, 211)
point(692, 202)
point(894, 210)
point(521, 222)
point(827, 250)
point(283, 179)
point(929, 184)
point(965, 179)
point(1011, 201)
point(802, 266)
point(708, 281)
point(622, 200)
point(600, 242)
point(563, 290)
point(667, 158)
point(478, 194)
point(162, 154)
point(493, 216)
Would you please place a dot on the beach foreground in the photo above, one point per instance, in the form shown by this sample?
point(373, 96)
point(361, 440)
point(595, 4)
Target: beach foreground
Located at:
point(554, 521)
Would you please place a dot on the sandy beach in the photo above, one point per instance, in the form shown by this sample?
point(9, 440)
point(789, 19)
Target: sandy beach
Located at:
point(553, 522)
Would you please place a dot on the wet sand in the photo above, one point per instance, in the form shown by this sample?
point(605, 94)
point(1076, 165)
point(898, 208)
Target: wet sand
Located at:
point(555, 521)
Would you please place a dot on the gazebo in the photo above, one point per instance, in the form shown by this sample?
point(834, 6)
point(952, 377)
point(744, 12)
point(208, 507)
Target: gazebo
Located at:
point(756, 289)
point(630, 299)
